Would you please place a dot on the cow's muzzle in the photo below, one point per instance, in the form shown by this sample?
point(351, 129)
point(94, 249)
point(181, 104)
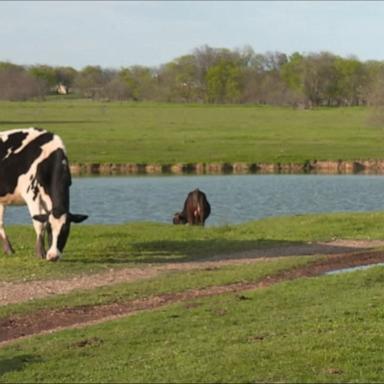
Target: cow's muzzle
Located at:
point(53, 256)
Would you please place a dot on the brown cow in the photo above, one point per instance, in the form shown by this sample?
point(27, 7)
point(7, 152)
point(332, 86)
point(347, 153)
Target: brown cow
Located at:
point(196, 209)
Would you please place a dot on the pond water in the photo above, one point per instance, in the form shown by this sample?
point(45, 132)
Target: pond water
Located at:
point(234, 198)
point(353, 269)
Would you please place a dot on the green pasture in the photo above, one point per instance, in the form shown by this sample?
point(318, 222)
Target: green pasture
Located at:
point(127, 132)
point(324, 329)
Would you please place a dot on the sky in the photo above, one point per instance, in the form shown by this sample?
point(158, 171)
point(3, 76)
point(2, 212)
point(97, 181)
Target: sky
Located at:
point(116, 34)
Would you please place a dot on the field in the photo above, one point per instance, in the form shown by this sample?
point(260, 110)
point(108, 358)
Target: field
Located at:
point(113, 132)
point(147, 302)
point(238, 303)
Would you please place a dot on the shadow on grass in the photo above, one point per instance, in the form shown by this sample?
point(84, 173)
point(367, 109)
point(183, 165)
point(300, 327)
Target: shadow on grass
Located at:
point(17, 363)
point(168, 251)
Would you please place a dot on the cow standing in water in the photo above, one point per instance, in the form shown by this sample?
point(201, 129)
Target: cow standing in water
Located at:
point(34, 170)
point(196, 209)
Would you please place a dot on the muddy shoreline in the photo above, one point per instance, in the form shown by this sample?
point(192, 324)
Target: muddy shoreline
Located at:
point(308, 167)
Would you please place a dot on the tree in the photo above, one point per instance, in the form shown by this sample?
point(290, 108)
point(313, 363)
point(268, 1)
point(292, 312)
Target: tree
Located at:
point(65, 76)
point(45, 74)
point(223, 82)
point(320, 79)
point(91, 80)
point(17, 84)
point(292, 72)
point(350, 81)
point(179, 80)
point(140, 82)
point(116, 89)
point(7, 66)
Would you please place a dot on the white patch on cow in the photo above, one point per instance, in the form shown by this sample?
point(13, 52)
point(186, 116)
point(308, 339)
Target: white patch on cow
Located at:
point(5, 134)
point(56, 226)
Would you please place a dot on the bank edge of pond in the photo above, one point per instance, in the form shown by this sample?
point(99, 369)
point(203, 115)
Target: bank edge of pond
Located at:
point(313, 166)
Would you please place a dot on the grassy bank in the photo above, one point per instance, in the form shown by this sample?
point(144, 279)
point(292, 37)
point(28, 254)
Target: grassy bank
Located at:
point(102, 132)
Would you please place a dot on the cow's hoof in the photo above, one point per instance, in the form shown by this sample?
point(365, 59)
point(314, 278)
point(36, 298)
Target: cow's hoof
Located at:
point(8, 250)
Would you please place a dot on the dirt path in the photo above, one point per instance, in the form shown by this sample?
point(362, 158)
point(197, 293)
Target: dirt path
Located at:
point(340, 254)
point(19, 292)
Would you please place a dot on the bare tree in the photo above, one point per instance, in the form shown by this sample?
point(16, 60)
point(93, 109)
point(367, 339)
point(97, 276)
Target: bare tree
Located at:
point(116, 89)
point(19, 85)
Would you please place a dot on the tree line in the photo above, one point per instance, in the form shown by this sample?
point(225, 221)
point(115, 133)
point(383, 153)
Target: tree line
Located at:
point(212, 75)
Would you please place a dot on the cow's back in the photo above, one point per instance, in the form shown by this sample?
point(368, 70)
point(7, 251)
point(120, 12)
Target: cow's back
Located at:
point(22, 151)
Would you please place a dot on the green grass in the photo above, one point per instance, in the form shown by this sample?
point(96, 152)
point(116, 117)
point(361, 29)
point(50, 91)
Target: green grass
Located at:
point(327, 329)
point(96, 248)
point(170, 133)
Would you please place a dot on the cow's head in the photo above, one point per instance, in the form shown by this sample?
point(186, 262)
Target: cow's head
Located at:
point(178, 218)
point(58, 226)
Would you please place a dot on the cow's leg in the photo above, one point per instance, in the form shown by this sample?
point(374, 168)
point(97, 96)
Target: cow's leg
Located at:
point(7, 247)
point(35, 209)
point(39, 247)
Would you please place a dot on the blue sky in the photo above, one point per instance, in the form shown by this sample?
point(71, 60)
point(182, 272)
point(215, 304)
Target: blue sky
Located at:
point(115, 34)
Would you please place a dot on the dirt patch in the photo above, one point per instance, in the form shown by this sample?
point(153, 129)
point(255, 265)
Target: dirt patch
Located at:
point(48, 320)
point(11, 293)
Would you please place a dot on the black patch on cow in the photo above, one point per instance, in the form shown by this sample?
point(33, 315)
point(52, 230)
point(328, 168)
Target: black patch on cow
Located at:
point(33, 186)
point(17, 164)
point(54, 176)
point(63, 235)
point(12, 143)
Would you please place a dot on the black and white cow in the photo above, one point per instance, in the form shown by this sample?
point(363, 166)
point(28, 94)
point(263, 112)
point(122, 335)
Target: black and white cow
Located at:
point(34, 170)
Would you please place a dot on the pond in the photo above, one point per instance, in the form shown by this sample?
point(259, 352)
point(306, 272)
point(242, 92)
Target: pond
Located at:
point(353, 269)
point(234, 199)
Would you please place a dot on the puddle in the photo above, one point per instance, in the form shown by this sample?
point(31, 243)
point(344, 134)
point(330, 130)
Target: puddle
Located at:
point(353, 269)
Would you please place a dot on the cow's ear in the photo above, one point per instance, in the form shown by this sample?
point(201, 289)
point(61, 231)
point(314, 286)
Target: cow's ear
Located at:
point(77, 218)
point(42, 218)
